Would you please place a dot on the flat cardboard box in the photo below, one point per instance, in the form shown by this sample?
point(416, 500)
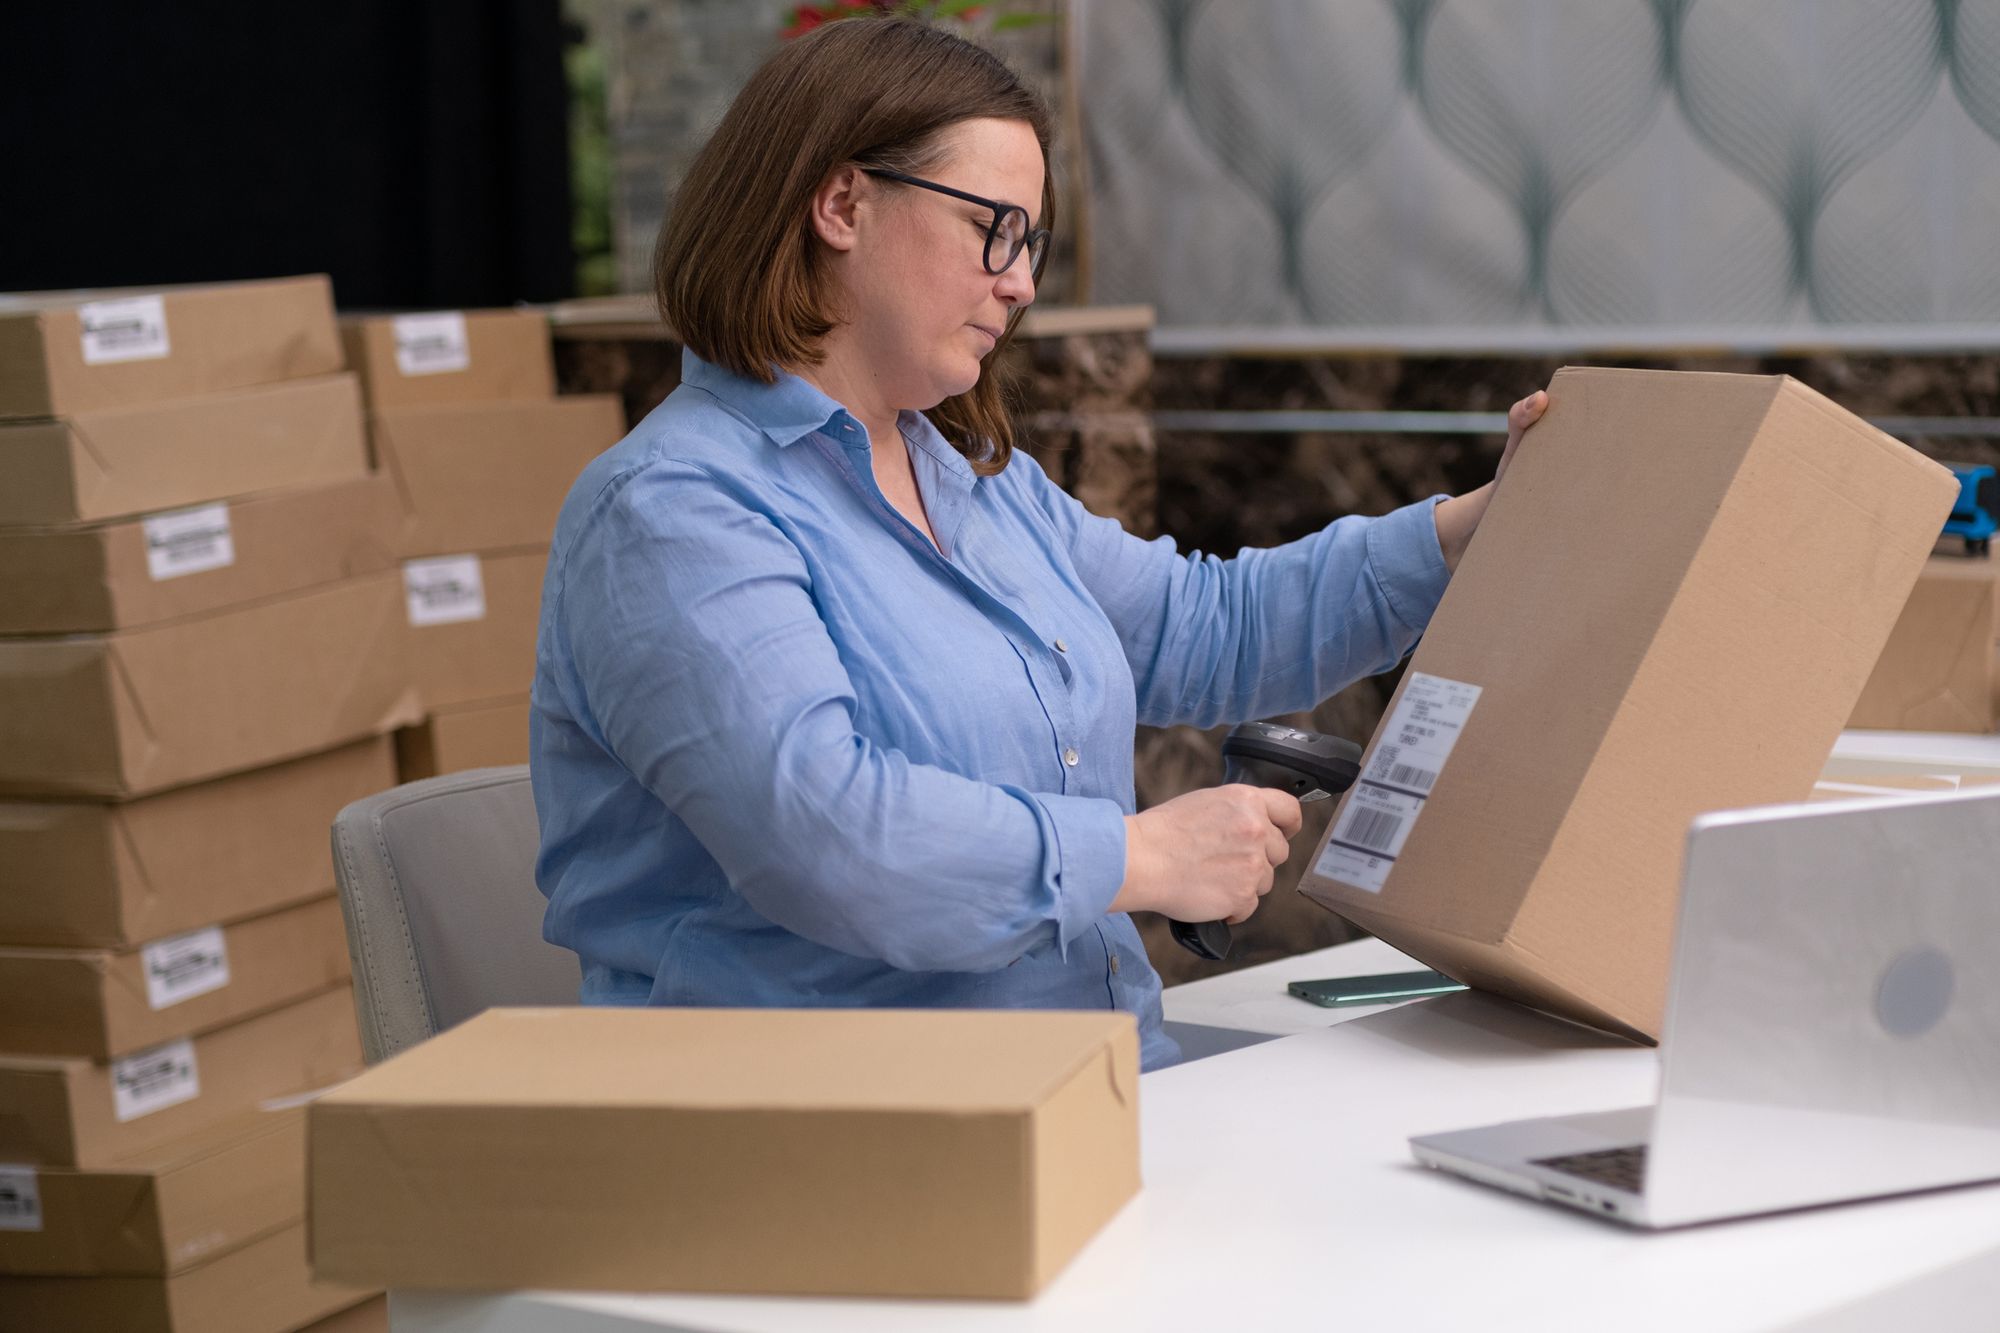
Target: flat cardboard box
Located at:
point(263, 1287)
point(492, 734)
point(141, 710)
point(66, 1112)
point(1936, 674)
point(467, 648)
point(90, 875)
point(164, 1211)
point(1670, 607)
point(62, 353)
point(856, 1152)
point(117, 462)
point(141, 571)
point(453, 356)
point(98, 1004)
point(489, 476)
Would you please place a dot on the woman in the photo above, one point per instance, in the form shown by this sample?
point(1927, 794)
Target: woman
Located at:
point(835, 692)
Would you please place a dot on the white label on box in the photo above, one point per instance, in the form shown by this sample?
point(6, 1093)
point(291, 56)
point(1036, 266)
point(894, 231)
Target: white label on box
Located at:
point(181, 967)
point(431, 344)
point(188, 541)
point(444, 591)
point(132, 329)
point(154, 1079)
point(20, 1199)
point(1392, 789)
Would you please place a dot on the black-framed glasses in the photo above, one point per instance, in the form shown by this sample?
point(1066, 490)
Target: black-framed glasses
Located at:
point(1006, 235)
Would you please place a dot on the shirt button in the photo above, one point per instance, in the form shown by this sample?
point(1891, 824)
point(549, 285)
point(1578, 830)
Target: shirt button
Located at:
point(1061, 647)
point(1070, 755)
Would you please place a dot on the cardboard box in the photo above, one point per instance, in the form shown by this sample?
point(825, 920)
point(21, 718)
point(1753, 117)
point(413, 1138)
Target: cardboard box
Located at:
point(1936, 674)
point(451, 356)
point(262, 1287)
point(118, 462)
point(100, 1004)
point(141, 710)
point(84, 1113)
point(1670, 607)
point(187, 562)
point(163, 1211)
point(87, 875)
point(730, 1150)
point(62, 353)
point(473, 621)
point(481, 735)
point(489, 476)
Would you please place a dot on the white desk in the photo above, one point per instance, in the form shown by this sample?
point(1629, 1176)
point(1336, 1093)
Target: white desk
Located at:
point(1280, 1195)
point(1253, 1000)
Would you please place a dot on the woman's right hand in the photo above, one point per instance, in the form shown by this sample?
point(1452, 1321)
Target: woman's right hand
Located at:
point(1208, 855)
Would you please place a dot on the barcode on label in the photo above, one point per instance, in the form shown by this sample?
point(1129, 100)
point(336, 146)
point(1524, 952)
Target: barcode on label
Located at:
point(184, 966)
point(432, 344)
point(444, 591)
point(1374, 829)
point(20, 1199)
point(188, 541)
point(131, 329)
point(1409, 775)
point(153, 1080)
point(1368, 833)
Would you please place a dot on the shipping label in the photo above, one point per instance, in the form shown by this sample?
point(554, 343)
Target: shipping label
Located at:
point(154, 1079)
point(131, 329)
point(188, 541)
point(181, 967)
point(1391, 791)
point(20, 1199)
point(444, 591)
point(431, 344)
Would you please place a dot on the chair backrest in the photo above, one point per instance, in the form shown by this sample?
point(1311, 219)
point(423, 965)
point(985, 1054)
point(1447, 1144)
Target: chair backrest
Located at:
point(437, 882)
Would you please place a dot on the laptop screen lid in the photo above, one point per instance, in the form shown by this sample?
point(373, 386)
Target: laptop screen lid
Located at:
point(1833, 1028)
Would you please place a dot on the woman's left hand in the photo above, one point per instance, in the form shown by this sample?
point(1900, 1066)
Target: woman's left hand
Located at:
point(1458, 517)
point(1519, 417)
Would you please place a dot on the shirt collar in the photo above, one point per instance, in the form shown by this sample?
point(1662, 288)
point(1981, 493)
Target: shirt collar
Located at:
point(787, 410)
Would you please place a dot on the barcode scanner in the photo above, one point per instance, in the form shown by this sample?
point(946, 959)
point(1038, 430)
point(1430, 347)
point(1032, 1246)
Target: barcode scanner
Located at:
point(1264, 754)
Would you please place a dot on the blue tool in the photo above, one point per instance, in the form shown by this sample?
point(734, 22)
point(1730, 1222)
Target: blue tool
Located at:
point(1976, 516)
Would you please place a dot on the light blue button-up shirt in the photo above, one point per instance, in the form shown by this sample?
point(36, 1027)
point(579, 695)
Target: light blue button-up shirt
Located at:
point(788, 753)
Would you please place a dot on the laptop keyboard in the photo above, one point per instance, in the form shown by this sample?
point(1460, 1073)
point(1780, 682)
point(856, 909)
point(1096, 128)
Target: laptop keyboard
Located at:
point(1620, 1168)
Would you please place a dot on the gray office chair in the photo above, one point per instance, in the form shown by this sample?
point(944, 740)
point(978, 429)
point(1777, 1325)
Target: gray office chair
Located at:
point(437, 882)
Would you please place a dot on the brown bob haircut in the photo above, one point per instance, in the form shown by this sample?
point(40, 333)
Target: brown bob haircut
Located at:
point(738, 272)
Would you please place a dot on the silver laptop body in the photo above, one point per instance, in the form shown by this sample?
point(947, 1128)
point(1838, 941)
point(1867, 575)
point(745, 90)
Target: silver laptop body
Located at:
point(1832, 1031)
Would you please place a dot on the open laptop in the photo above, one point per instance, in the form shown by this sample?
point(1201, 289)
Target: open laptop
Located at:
point(1832, 1032)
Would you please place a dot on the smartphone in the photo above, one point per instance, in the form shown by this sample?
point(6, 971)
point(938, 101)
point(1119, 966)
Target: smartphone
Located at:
point(1385, 989)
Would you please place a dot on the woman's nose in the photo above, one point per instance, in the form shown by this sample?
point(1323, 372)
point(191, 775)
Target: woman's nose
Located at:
point(1016, 285)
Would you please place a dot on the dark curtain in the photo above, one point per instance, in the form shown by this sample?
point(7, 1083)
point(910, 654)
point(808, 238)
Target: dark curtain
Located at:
point(417, 150)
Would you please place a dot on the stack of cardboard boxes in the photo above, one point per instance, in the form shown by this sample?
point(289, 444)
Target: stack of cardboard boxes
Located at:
point(466, 424)
point(202, 657)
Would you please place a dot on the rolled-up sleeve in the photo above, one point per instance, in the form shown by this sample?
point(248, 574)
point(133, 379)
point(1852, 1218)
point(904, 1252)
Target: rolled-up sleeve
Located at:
point(704, 664)
point(1273, 630)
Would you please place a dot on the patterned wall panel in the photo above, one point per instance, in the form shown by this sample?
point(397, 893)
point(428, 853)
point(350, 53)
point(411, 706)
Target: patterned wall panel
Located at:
point(1510, 163)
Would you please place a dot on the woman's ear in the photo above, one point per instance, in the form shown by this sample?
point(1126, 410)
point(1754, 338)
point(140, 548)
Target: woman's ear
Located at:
point(836, 206)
